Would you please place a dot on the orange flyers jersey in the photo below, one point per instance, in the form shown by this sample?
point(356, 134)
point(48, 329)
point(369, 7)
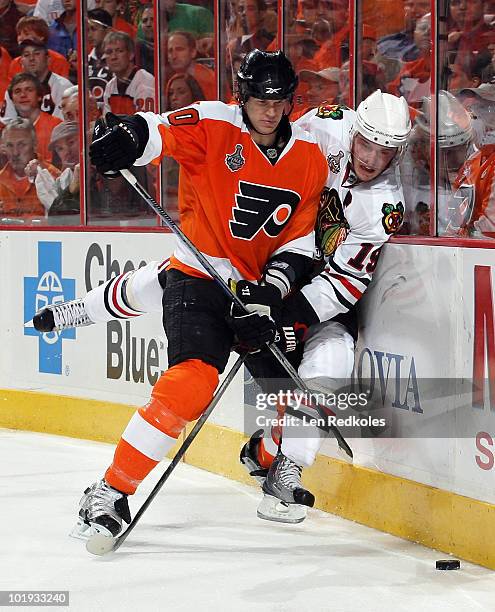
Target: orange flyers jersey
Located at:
point(479, 173)
point(235, 206)
point(43, 126)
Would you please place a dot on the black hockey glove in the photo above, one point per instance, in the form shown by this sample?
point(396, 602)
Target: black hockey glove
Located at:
point(257, 327)
point(295, 318)
point(117, 142)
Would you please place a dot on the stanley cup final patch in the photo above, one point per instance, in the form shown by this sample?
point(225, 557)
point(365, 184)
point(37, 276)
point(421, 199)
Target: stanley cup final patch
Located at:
point(234, 160)
point(334, 162)
point(393, 215)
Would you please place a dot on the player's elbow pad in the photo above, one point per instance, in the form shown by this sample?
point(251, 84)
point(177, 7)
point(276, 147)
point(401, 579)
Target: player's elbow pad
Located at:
point(285, 269)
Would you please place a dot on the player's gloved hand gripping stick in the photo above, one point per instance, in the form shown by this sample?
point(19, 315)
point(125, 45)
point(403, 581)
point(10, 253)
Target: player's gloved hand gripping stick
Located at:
point(343, 445)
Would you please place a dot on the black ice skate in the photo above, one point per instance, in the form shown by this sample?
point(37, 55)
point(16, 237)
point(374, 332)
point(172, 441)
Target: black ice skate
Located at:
point(64, 315)
point(249, 457)
point(101, 510)
point(284, 500)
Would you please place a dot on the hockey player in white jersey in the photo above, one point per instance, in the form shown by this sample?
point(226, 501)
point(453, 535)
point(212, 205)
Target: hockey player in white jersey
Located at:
point(361, 207)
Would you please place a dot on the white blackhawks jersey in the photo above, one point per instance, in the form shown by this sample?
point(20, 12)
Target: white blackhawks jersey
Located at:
point(355, 219)
point(126, 97)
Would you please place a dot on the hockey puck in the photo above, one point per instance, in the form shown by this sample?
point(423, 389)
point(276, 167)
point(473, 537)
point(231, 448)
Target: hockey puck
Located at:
point(448, 564)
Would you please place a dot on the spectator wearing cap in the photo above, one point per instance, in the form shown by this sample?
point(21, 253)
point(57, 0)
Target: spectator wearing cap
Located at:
point(115, 8)
point(99, 25)
point(480, 102)
point(59, 194)
point(34, 60)
point(26, 94)
point(64, 143)
point(323, 86)
point(18, 197)
point(63, 31)
point(35, 28)
point(188, 18)
point(9, 16)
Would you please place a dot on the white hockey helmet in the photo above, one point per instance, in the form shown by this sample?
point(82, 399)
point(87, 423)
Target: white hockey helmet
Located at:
point(454, 125)
point(384, 119)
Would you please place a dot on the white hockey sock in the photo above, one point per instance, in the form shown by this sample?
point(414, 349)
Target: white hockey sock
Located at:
point(126, 296)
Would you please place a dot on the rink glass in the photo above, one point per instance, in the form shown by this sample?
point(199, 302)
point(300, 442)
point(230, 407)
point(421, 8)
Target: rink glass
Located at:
point(342, 52)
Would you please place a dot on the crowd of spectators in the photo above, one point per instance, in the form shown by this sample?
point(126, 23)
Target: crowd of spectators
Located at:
point(40, 71)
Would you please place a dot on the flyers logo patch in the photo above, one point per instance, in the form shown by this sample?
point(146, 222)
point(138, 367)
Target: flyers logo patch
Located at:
point(393, 215)
point(259, 207)
point(331, 111)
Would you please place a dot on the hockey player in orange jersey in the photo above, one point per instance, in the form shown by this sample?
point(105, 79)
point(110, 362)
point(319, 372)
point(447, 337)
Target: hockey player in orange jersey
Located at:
point(362, 150)
point(249, 190)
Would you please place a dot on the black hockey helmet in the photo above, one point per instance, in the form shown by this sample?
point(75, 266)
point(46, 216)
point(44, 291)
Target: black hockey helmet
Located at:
point(267, 76)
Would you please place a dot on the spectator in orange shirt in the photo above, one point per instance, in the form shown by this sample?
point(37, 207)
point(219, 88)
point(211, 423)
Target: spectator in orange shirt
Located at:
point(256, 35)
point(413, 81)
point(181, 48)
point(115, 9)
point(36, 28)
point(335, 51)
point(5, 60)
point(18, 196)
point(26, 94)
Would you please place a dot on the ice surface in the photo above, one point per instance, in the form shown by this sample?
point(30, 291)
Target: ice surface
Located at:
point(200, 546)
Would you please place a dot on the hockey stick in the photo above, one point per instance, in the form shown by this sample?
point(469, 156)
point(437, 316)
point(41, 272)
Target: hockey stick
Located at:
point(284, 362)
point(99, 544)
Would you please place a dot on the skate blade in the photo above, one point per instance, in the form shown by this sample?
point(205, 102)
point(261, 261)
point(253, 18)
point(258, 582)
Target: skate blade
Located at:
point(80, 531)
point(273, 509)
point(344, 456)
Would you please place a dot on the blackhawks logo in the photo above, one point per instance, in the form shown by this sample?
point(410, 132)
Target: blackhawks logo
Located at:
point(331, 225)
point(331, 111)
point(393, 215)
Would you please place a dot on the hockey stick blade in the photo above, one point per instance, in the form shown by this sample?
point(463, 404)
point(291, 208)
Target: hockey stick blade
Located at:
point(208, 267)
point(99, 544)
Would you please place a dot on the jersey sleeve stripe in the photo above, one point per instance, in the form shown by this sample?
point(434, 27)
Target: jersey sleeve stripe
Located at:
point(354, 291)
point(116, 292)
point(339, 270)
point(347, 305)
